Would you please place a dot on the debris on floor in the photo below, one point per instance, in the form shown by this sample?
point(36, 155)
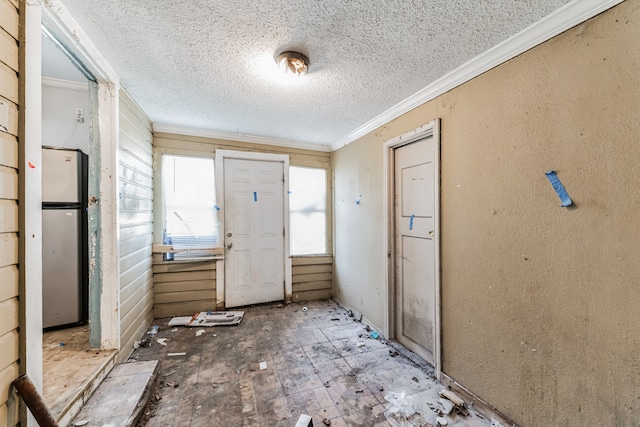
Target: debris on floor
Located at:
point(199, 332)
point(209, 318)
point(458, 403)
point(332, 370)
point(304, 421)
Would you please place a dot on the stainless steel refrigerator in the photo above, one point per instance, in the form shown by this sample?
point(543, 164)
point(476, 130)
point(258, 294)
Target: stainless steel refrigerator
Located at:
point(65, 274)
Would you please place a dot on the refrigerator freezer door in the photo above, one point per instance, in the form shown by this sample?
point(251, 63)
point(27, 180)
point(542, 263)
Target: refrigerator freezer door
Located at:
point(61, 176)
point(61, 283)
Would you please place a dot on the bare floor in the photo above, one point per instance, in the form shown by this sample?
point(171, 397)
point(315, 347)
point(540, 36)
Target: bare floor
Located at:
point(68, 363)
point(319, 362)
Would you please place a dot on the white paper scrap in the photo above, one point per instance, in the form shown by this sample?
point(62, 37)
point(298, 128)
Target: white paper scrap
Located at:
point(263, 366)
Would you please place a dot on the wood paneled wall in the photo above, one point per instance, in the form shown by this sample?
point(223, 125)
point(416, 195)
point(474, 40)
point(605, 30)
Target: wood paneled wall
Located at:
point(136, 223)
point(9, 86)
point(184, 288)
point(312, 278)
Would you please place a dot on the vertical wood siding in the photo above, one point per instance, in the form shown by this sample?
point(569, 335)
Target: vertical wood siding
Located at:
point(9, 86)
point(136, 223)
point(183, 288)
point(312, 278)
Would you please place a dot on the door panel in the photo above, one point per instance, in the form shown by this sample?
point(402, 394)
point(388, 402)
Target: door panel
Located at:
point(254, 225)
point(417, 311)
point(415, 293)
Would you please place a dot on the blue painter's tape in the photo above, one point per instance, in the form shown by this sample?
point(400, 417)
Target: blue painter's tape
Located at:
point(289, 192)
point(358, 199)
point(557, 185)
point(255, 196)
point(411, 222)
point(216, 207)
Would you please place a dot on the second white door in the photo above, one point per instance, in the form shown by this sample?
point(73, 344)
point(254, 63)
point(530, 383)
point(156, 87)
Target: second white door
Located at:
point(254, 231)
point(415, 227)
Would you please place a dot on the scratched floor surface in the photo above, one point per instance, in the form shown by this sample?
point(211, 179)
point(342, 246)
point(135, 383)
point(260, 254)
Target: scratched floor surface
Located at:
point(319, 362)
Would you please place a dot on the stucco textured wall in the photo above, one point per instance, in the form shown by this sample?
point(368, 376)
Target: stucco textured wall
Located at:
point(539, 303)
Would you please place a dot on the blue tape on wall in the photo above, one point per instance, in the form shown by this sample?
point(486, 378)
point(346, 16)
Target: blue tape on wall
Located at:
point(255, 196)
point(411, 222)
point(358, 199)
point(557, 185)
point(216, 207)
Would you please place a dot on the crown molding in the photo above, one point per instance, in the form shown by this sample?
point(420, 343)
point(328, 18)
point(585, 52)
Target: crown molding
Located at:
point(568, 16)
point(65, 84)
point(240, 137)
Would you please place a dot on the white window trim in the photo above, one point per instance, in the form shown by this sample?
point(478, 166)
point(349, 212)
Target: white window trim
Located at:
point(158, 189)
point(220, 156)
point(327, 224)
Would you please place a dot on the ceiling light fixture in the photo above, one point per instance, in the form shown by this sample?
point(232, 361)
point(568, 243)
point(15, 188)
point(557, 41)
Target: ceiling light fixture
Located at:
point(293, 62)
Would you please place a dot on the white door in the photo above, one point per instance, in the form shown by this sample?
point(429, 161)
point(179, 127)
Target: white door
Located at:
point(415, 280)
point(254, 231)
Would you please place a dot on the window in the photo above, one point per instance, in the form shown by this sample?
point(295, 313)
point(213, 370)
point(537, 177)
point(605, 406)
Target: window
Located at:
point(307, 204)
point(190, 216)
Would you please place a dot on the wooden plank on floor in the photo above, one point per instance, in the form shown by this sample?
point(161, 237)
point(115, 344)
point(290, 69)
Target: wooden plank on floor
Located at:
point(8, 183)
point(8, 83)
point(9, 18)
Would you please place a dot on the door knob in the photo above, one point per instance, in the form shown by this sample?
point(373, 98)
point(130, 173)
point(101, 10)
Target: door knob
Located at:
point(229, 246)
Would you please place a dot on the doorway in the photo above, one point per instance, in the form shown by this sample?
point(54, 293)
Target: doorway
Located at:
point(413, 186)
point(252, 187)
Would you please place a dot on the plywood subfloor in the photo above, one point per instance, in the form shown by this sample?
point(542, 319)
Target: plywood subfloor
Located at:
point(68, 362)
point(314, 366)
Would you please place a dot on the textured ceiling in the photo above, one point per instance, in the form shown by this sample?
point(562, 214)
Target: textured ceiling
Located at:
point(209, 64)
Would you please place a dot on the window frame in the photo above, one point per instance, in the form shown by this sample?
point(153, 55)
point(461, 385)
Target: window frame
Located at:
point(158, 196)
point(328, 211)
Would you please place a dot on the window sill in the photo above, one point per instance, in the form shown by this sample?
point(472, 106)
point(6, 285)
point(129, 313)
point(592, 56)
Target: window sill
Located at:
point(190, 261)
point(311, 256)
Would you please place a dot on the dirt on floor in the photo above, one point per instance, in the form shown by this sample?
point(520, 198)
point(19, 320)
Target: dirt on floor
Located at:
point(286, 360)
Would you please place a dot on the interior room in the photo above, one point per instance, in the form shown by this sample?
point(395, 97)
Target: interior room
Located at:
point(70, 364)
point(441, 191)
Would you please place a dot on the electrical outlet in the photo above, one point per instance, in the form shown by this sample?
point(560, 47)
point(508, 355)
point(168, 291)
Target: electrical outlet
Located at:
point(80, 115)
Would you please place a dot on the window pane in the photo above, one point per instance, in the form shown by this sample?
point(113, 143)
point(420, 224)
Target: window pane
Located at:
point(307, 204)
point(190, 199)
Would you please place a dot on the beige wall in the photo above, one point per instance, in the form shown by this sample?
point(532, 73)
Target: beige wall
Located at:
point(9, 338)
point(136, 223)
point(539, 303)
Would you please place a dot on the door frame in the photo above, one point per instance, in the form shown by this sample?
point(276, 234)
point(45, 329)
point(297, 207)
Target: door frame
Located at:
point(104, 251)
point(429, 129)
point(220, 156)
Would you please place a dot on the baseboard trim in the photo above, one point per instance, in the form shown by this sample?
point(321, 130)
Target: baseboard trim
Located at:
point(479, 406)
